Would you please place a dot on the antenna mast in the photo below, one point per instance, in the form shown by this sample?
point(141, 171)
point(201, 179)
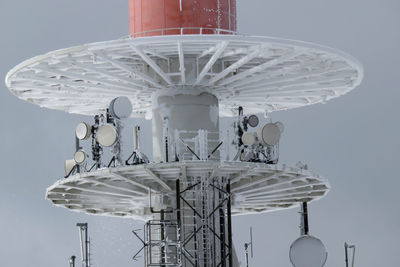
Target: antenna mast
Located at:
point(85, 243)
point(346, 252)
point(246, 247)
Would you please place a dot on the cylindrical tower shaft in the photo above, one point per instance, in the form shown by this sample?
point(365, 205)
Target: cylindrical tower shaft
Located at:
point(168, 17)
point(185, 126)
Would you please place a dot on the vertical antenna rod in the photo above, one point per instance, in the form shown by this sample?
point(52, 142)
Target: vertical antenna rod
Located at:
point(304, 219)
point(72, 261)
point(246, 247)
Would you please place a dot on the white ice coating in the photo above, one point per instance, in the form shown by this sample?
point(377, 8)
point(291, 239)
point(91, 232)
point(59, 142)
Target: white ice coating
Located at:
point(188, 111)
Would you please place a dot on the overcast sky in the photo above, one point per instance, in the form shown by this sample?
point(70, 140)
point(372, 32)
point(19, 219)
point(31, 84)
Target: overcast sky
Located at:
point(353, 140)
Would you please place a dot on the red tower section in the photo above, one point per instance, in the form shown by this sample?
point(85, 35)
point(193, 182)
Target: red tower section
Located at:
point(168, 17)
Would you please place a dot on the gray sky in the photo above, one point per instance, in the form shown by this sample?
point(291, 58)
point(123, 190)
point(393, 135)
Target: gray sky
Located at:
point(353, 140)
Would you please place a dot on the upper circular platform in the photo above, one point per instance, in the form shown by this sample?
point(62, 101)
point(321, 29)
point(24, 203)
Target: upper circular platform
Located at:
point(124, 191)
point(259, 73)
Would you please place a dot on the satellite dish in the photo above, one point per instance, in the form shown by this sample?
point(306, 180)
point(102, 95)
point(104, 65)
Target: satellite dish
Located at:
point(80, 157)
point(248, 139)
point(69, 164)
point(107, 135)
point(83, 131)
point(308, 251)
point(280, 126)
point(121, 107)
point(269, 134)
point(253, 120)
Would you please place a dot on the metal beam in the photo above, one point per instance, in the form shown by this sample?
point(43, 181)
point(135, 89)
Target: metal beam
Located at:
point(219, 49)
point(126, 68)
point(151, 63)
point(261, 67)
point(237, 64)
point(181, 62)
point(119, 176)
point(157, 179)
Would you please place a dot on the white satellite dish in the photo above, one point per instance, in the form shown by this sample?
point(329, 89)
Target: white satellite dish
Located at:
point(80, 157)
point(121, 107)
point(308, 251)
point(269, 134)
point(249, 138)
point(107, 135)
point(253, 120)
point(280, 126)
point(69, 164)
point(83, 131)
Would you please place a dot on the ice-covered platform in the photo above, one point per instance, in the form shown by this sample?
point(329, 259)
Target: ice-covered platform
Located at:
point(125, 191)
point(261, 74)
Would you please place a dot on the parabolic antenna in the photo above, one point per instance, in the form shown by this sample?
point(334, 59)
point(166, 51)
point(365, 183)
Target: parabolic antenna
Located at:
point(308, 251)
point(80, 156)
point(83, 131)
point(248, 138)
point(121, 107)
point(107, 135)
point(269, 134)
point(253, 121)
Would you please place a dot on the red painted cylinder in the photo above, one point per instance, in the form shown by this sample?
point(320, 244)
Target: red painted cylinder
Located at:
point(167, 17)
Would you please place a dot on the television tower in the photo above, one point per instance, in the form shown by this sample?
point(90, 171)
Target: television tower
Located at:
point(184, 66)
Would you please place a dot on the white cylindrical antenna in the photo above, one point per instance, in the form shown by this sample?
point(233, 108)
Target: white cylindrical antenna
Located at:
point(136, 132)
point(81, 243)
point(251, 240)
point(346, 248)
point(83, 227)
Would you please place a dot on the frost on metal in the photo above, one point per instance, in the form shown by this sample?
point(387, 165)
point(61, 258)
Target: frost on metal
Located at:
point(125, 191)
point(261, 74)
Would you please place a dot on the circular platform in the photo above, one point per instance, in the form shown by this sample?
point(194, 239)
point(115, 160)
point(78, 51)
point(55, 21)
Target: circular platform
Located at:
point(259, 73)
point(124, 191)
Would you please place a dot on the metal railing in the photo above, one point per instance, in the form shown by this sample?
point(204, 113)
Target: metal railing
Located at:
point(182, 31)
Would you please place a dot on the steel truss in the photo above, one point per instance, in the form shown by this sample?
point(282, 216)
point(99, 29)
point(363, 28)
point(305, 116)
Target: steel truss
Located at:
point(204, 218)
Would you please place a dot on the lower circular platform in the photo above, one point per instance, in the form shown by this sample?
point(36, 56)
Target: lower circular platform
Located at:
point(124, 191)
point(261, 74)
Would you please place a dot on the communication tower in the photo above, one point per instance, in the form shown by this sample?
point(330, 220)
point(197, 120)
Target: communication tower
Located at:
point(184, 66)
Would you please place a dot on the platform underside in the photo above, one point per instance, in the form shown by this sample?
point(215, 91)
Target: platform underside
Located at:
point(259, 73)
point(124, 191)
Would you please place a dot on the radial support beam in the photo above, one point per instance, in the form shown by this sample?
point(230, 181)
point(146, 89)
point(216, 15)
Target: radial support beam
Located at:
point(78, 76)
point(237, 64)
point(219, 49)
point(259, 68)
point(181, 62)
point(157, 179)
point(121, 177)
point(152, 64)
point(126, 68)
